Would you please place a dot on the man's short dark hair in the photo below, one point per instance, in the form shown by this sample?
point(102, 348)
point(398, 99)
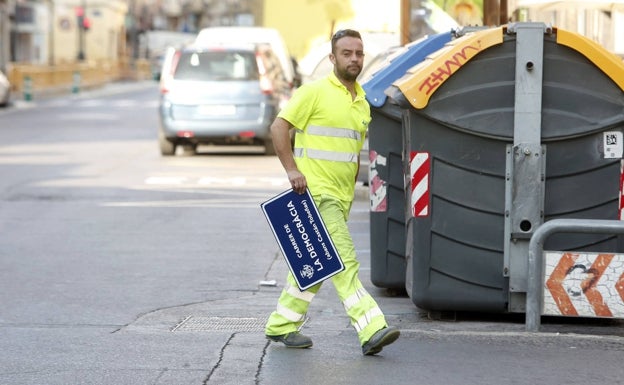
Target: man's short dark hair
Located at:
point(342, 33)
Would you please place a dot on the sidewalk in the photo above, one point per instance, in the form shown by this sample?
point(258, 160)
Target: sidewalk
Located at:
point(111, 88)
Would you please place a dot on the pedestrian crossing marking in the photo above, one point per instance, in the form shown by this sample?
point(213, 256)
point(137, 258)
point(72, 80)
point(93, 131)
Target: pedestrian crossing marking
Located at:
point(165, 180)
point(206, 181)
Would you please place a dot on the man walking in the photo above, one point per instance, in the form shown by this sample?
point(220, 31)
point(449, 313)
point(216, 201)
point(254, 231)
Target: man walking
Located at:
point(331, 117)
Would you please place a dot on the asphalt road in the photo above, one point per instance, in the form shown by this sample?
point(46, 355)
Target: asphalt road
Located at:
point(118, 266)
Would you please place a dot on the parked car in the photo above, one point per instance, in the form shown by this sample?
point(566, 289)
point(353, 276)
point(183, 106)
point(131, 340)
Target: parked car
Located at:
point(220, 95)
point(254, 35)
point(5, 90)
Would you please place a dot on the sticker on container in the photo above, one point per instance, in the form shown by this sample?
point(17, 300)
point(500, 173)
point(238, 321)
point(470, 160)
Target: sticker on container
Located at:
point(612, 144)
point(378, 186)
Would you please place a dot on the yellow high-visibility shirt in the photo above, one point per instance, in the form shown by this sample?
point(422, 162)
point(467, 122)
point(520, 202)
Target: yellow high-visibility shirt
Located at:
point(331, 128)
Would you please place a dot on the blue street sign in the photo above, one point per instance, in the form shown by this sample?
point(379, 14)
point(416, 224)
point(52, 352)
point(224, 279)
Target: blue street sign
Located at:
point(303, 238)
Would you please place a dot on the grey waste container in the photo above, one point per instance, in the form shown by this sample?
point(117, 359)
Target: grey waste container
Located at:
point(386, 177)
point(506, 129)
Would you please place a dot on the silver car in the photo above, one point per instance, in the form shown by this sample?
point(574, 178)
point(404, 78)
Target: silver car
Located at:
point(5, 90)
point(220, 95)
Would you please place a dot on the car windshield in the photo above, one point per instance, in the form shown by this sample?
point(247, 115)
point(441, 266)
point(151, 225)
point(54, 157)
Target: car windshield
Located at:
point(217, 65)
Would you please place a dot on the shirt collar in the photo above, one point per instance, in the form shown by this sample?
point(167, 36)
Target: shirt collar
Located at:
point(359, 91)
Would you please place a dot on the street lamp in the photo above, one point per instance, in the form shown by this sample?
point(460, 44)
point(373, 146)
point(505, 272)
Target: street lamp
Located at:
point(52, 12)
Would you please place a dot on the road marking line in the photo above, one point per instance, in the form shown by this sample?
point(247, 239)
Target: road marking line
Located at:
point(166, 180)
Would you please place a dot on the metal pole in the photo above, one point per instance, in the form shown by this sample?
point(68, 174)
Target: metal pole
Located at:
point(405, 21)
point(13, 34)
point(4, 35)
point(491, 12)
point(81, 37)
point(52, 14)
point(504, 12)
point(134, 35)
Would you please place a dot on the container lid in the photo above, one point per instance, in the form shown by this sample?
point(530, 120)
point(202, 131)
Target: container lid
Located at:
point(398, 63)
point(423, 80)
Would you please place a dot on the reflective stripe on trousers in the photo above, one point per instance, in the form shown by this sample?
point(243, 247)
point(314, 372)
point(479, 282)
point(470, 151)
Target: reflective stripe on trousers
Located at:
point(365, 315)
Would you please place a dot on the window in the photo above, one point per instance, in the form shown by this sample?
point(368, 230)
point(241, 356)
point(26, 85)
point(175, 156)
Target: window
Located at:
point(217, 65)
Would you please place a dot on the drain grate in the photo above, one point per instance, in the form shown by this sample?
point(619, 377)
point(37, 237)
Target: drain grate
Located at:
point(207, 324)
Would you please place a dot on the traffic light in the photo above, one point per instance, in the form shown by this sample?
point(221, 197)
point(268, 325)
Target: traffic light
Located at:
point(83, 22)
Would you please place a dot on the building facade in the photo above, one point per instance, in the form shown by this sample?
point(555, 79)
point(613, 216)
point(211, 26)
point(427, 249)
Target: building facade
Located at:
point(49, 31)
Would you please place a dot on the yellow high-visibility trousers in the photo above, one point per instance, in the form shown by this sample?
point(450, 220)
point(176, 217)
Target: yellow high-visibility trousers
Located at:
point(365, 315)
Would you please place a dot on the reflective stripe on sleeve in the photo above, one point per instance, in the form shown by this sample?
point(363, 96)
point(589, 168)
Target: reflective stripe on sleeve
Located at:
point(326, 155)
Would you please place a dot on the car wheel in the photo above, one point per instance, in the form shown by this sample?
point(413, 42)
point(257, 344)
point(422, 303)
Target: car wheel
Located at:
point(167, 147)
